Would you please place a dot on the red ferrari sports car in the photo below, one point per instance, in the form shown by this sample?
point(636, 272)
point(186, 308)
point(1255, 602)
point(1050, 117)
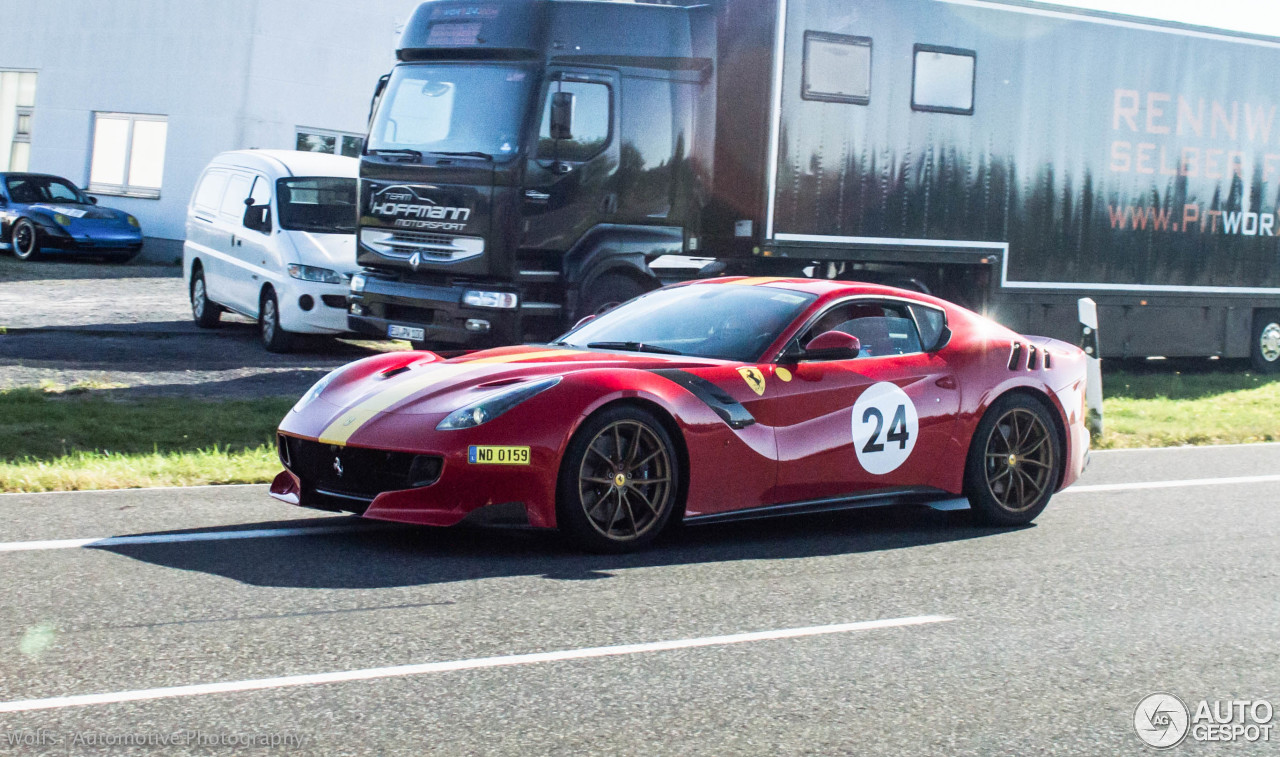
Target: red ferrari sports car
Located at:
point(710, 400)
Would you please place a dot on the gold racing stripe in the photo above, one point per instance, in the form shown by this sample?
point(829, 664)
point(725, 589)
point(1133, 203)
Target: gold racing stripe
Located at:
point(755, 281)
point(344, 426)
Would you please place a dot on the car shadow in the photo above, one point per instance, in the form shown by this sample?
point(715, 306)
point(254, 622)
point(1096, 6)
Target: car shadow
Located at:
point(377, 555)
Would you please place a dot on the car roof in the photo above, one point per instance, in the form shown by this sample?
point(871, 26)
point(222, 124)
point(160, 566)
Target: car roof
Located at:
point(20, 174)
point(290, 162)
point(819, 287)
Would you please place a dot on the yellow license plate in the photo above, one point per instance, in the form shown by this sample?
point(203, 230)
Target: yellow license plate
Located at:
point(481, 455)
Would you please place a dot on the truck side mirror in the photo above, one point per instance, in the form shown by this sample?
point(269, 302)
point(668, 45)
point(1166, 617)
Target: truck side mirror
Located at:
point(377, 94)
point(562, 115)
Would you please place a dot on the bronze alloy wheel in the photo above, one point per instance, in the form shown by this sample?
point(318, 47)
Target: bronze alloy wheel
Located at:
point(1019, 464)
point(625, 481)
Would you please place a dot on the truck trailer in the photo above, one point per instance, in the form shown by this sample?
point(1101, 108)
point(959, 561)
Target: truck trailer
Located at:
point(528, 162)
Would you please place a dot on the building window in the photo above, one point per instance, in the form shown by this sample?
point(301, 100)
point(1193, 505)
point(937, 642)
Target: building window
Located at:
point(944, 80)
point(837, 68)
point(17, 109)
point(128, 154)
point(332, 142)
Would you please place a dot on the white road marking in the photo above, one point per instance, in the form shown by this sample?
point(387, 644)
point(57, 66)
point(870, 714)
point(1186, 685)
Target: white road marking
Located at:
point(135, 490)
point(115, 541)
point(1170, 484)
point(400, 671)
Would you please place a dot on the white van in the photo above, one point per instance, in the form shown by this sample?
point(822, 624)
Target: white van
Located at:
point(271, 235)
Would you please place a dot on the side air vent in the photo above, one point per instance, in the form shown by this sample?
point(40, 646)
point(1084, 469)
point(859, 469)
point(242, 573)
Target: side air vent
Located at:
point(1015, 356)
point(1033, 358)
point(1048, 360)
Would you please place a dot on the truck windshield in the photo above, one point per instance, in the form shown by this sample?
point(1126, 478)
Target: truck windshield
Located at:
point(454, 108)
point(719, 321)
point(319, 204)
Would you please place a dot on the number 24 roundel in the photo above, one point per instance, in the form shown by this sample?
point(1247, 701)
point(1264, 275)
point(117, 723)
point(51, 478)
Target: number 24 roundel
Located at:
point(885, 427)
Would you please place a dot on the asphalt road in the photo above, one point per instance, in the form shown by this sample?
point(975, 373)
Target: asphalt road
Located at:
point(1039, 640)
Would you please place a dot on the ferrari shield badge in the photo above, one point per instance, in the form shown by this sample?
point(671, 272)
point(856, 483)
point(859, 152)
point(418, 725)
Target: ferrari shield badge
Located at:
point(754, 379)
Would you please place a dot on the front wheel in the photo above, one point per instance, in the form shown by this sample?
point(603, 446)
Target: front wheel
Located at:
point(1266, 341)
point(25, 239)
point(1014, 463)
point(273, 335)
point(619, 481)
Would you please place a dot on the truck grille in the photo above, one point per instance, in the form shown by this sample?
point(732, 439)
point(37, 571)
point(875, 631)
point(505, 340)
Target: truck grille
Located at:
point(430, 248)
point(351, 477)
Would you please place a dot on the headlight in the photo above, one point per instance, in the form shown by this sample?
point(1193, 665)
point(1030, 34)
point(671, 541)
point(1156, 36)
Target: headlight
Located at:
point(61, 220)
point(357, 283)
point(133, 222)
point(501, 300)
point(311, 273)
point(494, 405)
point(315, 391)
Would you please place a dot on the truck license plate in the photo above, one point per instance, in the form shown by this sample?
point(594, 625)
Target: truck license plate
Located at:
point(406, 332)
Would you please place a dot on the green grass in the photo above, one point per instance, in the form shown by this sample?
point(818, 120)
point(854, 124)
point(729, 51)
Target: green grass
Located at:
point(56, 439)
point(1174, 408)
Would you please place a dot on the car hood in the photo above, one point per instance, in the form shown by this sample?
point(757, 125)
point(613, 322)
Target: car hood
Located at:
point(433, 386)
point(81, 212)
point(333, 251)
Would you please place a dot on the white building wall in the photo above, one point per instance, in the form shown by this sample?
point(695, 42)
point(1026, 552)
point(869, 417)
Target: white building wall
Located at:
point(228, 74)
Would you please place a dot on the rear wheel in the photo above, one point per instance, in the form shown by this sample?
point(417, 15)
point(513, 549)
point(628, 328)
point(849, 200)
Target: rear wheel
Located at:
point(1014, 463)
point(205, 313)
point(273, 335)
point(619, 481)
point(1266, 341)
point(25, 239)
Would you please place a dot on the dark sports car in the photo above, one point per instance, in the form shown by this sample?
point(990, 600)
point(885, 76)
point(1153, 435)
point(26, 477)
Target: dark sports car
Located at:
point(705, 401)
point(41, 213)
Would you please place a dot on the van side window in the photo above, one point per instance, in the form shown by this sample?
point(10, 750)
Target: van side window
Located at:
point(882, 328)
point(837, 68)
point(233, 199)
point(261, 193)
point(591, 122)
point(209, 195)
point(944, 80)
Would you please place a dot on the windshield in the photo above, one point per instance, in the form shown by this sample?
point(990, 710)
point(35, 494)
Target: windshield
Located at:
point(456, 108)
point(720, 321)
point(322, 205)
point(28, 189)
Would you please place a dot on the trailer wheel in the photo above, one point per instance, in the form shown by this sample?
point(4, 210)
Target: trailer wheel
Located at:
point(1266, 341)
point(608, 292)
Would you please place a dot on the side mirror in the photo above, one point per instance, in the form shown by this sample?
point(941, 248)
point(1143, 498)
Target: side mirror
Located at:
point(832, 345)
point(377, 94)
point(93, 200)
point(562, 115)
point(258, 218)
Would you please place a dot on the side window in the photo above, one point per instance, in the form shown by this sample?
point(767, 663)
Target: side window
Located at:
point(944, 80)
point(209, 195)
point(882, 328)
point(591, 122)
point(837, 68)
point(233, 199)
point(931, 322)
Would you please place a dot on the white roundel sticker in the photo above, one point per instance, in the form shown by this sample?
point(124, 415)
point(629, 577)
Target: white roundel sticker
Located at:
point(885, 427)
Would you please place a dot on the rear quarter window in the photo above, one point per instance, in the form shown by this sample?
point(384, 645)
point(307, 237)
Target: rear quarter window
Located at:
point(209, 192)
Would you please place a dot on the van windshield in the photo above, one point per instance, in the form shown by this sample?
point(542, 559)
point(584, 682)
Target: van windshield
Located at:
point(321, 204)
point(453, 108)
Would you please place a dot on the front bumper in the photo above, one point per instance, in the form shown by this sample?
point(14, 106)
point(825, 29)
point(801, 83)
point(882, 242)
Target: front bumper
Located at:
point(103, 242)
point(436, 309)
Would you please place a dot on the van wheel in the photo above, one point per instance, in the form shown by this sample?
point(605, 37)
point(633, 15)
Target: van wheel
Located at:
point(1266, 341)
point(274, 337)
point(206, 314)
point(25, 239)
point(608, 292)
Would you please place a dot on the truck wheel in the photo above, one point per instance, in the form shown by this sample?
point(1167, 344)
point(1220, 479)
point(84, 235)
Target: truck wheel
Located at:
point(1266, 341)
point(274, 337)
point(608, 292)
point(205, 313)
point(25, 239)
point(1014, 463)
point(619, 481)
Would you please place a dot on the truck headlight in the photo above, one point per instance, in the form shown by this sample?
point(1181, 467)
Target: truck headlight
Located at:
point(312, 273)
point(499, 300)
point(494, 405)
point(357, 283)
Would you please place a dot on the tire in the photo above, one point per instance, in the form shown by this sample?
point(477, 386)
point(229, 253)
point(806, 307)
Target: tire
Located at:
point(606, 293)
point(206, 313)
point(1265, 341)
point(273, 336)
point(592, 509)
point(25, 240)
point(1015, 462)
